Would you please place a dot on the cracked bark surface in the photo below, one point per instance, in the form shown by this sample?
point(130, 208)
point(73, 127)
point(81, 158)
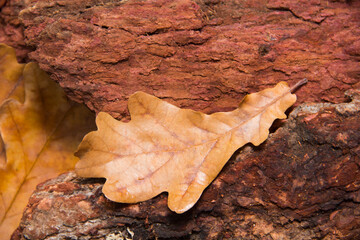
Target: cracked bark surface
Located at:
point(11, 29)
point(303, 183)
point(201, 54)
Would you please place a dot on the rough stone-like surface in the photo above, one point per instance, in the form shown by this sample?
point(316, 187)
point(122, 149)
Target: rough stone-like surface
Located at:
point(203, 54)
point(11, 30)
point(303, 183)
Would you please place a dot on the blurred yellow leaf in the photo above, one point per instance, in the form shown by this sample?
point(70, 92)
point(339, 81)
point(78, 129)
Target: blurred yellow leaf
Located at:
point(38, 134)
point(167, 149)
point(10, 75)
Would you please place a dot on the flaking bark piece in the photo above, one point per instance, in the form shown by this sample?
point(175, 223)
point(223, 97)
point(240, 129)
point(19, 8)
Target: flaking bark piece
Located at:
point(167, 149)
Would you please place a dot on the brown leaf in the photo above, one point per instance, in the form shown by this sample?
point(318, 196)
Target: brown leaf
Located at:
point(180, 151)
point(10, 75)
point(39, 137)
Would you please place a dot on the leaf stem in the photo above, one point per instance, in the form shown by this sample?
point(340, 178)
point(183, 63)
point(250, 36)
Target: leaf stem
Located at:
point(298, 85)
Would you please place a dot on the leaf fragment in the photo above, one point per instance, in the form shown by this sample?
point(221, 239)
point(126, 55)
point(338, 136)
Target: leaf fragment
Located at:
point(167, 149)
point(10, 75)
point(38, 134)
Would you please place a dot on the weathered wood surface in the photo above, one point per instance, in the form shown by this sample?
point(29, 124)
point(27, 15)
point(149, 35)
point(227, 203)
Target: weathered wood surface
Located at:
point(11, 29)
point(202, 54)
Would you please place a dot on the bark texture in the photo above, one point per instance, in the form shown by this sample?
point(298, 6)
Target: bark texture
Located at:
point(303, 183)
point(11, 29)
point(203, 54)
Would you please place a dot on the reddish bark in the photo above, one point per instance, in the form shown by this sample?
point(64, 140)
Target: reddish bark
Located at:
point(11, 30)
point(204, 55)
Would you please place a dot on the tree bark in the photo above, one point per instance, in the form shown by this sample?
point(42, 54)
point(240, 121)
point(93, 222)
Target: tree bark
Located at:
point(199, 54)
point(11, 29)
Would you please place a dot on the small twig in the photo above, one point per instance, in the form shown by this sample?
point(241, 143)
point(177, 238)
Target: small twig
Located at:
point(298, 85)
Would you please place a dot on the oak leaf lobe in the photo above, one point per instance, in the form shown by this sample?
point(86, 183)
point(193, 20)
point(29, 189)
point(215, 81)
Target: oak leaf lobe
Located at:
point(10, 75)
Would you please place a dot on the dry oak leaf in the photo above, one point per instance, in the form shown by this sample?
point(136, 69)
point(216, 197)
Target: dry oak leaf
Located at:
point(39, 136)
point(180, 151)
